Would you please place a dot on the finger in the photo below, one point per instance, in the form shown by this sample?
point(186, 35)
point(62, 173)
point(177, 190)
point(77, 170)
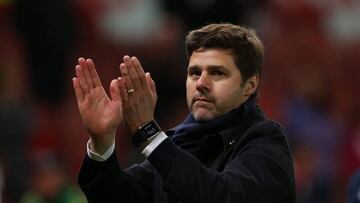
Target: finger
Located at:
point(134, 77)
point(151, 84)
point(122, 90)
point(87, 76)
point(140, 71)
point(138, 66)
point(78, 92)
point(82, 82)
point(114, 90)
point(125, 77)
point(94, 76)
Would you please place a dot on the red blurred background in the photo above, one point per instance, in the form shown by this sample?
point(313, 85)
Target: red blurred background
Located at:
point(310, 82)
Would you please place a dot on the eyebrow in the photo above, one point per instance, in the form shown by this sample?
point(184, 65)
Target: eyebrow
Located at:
point(210, 67)
point(217, 67)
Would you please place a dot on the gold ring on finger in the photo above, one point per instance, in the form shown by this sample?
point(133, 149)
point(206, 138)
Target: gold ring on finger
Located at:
point(130, 91)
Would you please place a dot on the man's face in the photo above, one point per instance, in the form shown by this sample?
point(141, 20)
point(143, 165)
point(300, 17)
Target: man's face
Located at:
point(214, 84)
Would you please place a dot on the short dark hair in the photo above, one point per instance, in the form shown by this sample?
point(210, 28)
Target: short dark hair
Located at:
point(246, 47)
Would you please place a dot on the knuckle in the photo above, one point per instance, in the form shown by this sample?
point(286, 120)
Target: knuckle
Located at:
point(142, 76)
point(136, 77)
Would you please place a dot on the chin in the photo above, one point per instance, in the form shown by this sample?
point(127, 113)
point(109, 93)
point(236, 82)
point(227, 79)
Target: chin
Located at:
point(203, 116)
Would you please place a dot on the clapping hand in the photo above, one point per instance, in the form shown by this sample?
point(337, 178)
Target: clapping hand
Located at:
point(132, 101)
point(100, 114)
point(138, 94)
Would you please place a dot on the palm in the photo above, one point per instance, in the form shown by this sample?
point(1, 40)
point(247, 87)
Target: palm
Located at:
point(100, 114)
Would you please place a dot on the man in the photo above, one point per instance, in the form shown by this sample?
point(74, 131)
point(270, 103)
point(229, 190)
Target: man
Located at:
point(224, 151)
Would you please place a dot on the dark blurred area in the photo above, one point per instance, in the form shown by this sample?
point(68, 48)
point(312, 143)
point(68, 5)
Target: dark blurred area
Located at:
point(47, 29)
point(310, 83)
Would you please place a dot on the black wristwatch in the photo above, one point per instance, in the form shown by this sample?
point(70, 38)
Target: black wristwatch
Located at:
point(145, 132)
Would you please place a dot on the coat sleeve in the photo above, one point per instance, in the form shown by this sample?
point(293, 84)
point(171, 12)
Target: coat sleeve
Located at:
point(260, 171)
point(106, 182)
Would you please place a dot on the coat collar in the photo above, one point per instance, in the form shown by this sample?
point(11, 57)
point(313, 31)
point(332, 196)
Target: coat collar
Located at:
point(232, 134)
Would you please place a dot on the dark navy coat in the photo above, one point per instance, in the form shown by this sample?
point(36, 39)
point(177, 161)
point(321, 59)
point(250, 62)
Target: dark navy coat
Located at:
point(246, 161)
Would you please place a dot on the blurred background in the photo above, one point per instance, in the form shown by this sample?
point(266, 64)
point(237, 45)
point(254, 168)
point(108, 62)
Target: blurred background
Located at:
point(310, 82)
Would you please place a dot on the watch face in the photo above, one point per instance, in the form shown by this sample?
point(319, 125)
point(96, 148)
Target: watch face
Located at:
point(150, 129)
point(145, 132)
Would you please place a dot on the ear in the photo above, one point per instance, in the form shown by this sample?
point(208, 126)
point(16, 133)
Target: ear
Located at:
point(251, 85)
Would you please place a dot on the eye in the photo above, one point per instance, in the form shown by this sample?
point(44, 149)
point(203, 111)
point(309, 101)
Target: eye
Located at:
point(218, 73)
point(194, 73)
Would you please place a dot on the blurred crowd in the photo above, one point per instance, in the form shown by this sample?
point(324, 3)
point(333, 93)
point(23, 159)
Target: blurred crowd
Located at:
point(309, 84)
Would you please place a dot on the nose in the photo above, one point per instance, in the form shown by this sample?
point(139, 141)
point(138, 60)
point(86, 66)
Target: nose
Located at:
point(202, 84)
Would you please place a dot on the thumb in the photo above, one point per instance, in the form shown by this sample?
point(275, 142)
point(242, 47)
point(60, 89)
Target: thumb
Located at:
point(151, 84)
point(122, 90)
point(114, 90)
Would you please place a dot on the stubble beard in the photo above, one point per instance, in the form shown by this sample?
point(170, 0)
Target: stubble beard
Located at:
point(203, 112)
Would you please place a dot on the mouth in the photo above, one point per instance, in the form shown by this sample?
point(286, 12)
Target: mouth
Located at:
point(202, 100)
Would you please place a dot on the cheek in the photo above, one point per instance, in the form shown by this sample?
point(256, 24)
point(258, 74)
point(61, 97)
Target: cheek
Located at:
point(188, 99)
point(189, 92)
point(229, 97)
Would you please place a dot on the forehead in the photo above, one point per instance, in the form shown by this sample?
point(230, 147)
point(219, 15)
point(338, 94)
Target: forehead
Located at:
point(212, 57)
